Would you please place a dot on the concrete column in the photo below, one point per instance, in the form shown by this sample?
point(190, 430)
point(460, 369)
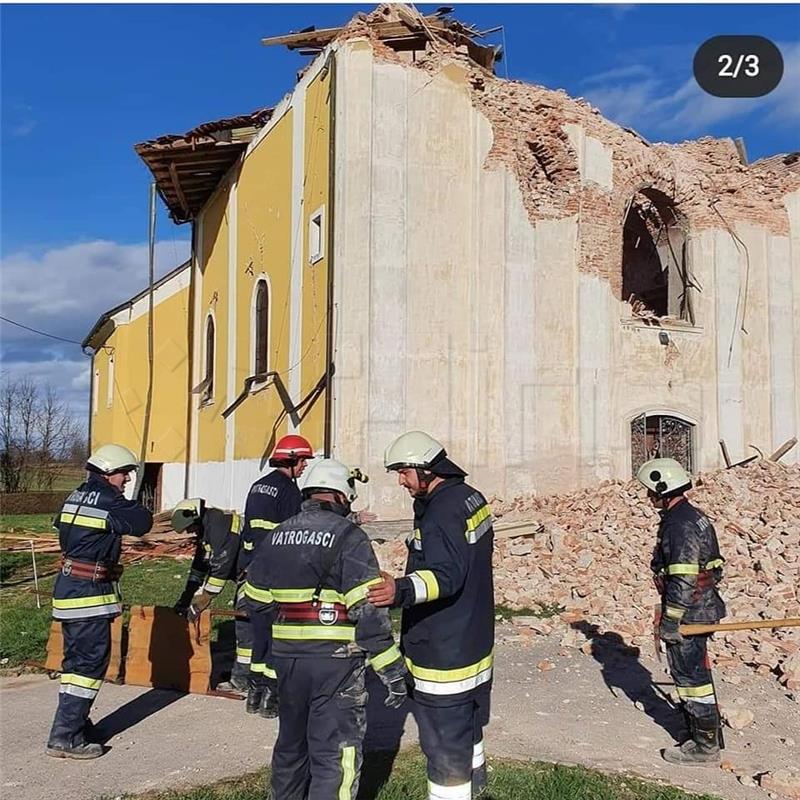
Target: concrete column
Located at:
point(728, 268)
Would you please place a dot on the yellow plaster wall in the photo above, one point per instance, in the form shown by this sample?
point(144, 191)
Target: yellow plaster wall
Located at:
point(263, 247)
point(214, 299)
point(123, 421)
point(315, 276)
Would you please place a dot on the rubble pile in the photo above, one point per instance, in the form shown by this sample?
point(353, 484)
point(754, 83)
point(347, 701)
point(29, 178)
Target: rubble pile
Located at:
point(588, 553)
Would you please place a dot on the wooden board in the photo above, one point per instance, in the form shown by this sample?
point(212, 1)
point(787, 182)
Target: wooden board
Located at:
point(167, 652)
point(55, 649)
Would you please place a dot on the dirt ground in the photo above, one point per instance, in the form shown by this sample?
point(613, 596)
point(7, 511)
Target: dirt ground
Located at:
point(599, 710)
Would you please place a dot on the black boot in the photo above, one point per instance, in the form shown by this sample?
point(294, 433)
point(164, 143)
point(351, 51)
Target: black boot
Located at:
point(702, 748)
point(82, 751)
point(254, 697)
point(269, 704)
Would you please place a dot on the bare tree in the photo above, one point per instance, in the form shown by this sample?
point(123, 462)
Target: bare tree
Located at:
point(38, 436)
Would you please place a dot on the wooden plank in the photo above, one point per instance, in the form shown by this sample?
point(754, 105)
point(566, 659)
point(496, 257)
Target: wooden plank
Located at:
point(176, 183)
point(167, 652)
point(323, 36)
point(783, 449)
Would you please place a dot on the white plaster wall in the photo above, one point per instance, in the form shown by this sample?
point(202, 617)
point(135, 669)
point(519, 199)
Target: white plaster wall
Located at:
point(172, 483)
point(792, 202)
point(456, 315)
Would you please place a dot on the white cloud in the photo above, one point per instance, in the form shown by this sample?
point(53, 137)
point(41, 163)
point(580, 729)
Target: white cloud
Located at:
point(63, 291)
point(647, 97)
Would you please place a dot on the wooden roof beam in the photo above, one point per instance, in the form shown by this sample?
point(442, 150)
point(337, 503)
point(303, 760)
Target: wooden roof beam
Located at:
point(176, 183)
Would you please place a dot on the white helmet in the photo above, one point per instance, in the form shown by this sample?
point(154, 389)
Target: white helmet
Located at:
point(412, 449)
point(663, 476)
point(111, 458)
point(186, 513)
point(328, 474)
point(420, 451)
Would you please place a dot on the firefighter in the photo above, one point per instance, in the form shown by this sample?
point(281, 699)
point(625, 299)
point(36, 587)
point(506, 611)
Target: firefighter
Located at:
point(86, 596)
point(447, 599)
point(307, 596)
point(687, 566)
point(273, 498)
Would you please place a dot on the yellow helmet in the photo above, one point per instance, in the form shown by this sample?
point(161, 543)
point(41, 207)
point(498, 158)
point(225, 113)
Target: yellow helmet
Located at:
point(664, 476)
point(186, 513)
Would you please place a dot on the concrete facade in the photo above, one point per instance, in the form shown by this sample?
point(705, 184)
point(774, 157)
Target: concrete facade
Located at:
point(497, 324)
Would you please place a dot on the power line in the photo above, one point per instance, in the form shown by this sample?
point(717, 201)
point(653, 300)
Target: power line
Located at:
point(40, 333)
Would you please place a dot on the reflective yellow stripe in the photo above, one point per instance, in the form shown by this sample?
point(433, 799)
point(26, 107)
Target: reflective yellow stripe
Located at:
point(262, 595)
point(695, 691)
point(348, 773)
point(683, 569)
point(264, 524)
point(714, 563)
point(236, 523)
point(674, 612)
point(86, 522)
point(244, 651)
point(337, 633)
point(388, 656)
point(447, 675)
point(248, 545)
point(431, 584)
point(479, 516)
point(304, 595)
point(80, 680)
point(359, 592)
point(218, 582)
point(86, 602)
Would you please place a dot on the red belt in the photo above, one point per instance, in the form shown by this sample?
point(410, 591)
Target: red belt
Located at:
point(90, 570)
point(307, 612)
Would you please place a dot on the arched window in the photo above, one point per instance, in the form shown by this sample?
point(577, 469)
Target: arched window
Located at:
point(261, 329)
point(661, 436)
point(656, 275)
point(208, 378)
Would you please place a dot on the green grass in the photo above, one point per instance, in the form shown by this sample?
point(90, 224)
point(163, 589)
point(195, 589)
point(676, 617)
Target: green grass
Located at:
point(27, 523)
point(508, 780)
point(24, 628)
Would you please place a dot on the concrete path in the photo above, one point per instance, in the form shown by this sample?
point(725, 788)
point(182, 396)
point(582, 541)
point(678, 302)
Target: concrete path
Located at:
point(581, 711)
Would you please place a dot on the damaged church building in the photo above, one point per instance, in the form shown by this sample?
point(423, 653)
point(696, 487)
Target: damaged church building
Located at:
point(408, 240)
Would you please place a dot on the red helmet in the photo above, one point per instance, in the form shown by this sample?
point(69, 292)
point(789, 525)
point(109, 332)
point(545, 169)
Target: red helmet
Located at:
point(290, 449)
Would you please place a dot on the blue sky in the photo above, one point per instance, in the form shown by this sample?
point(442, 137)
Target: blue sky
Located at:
point(82, 83)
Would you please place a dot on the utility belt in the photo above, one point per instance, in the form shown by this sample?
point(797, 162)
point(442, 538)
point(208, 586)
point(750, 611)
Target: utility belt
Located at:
point(90, 570)
point(313, 611)
point(705, 580)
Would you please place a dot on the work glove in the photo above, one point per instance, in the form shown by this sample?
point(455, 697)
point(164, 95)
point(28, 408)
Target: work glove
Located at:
point(200, 602)
point(669, 631)
point(394, 679)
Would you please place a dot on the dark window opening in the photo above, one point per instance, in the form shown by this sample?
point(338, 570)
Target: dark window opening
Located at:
point(262, 329)
point(656, 275)
point(661, 436)
point(150, 492)
point(208, 380)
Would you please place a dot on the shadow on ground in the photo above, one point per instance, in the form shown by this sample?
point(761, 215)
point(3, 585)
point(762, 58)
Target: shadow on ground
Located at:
point(134, 712)
point(623, 672)
point(385, 728)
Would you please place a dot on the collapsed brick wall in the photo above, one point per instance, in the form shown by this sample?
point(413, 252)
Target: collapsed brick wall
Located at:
point(590, 556)
point(709, 184)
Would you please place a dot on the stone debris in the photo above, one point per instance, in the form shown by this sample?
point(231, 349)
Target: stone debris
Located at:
point(783, 782)
point(738, 719)
point(589, 555)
